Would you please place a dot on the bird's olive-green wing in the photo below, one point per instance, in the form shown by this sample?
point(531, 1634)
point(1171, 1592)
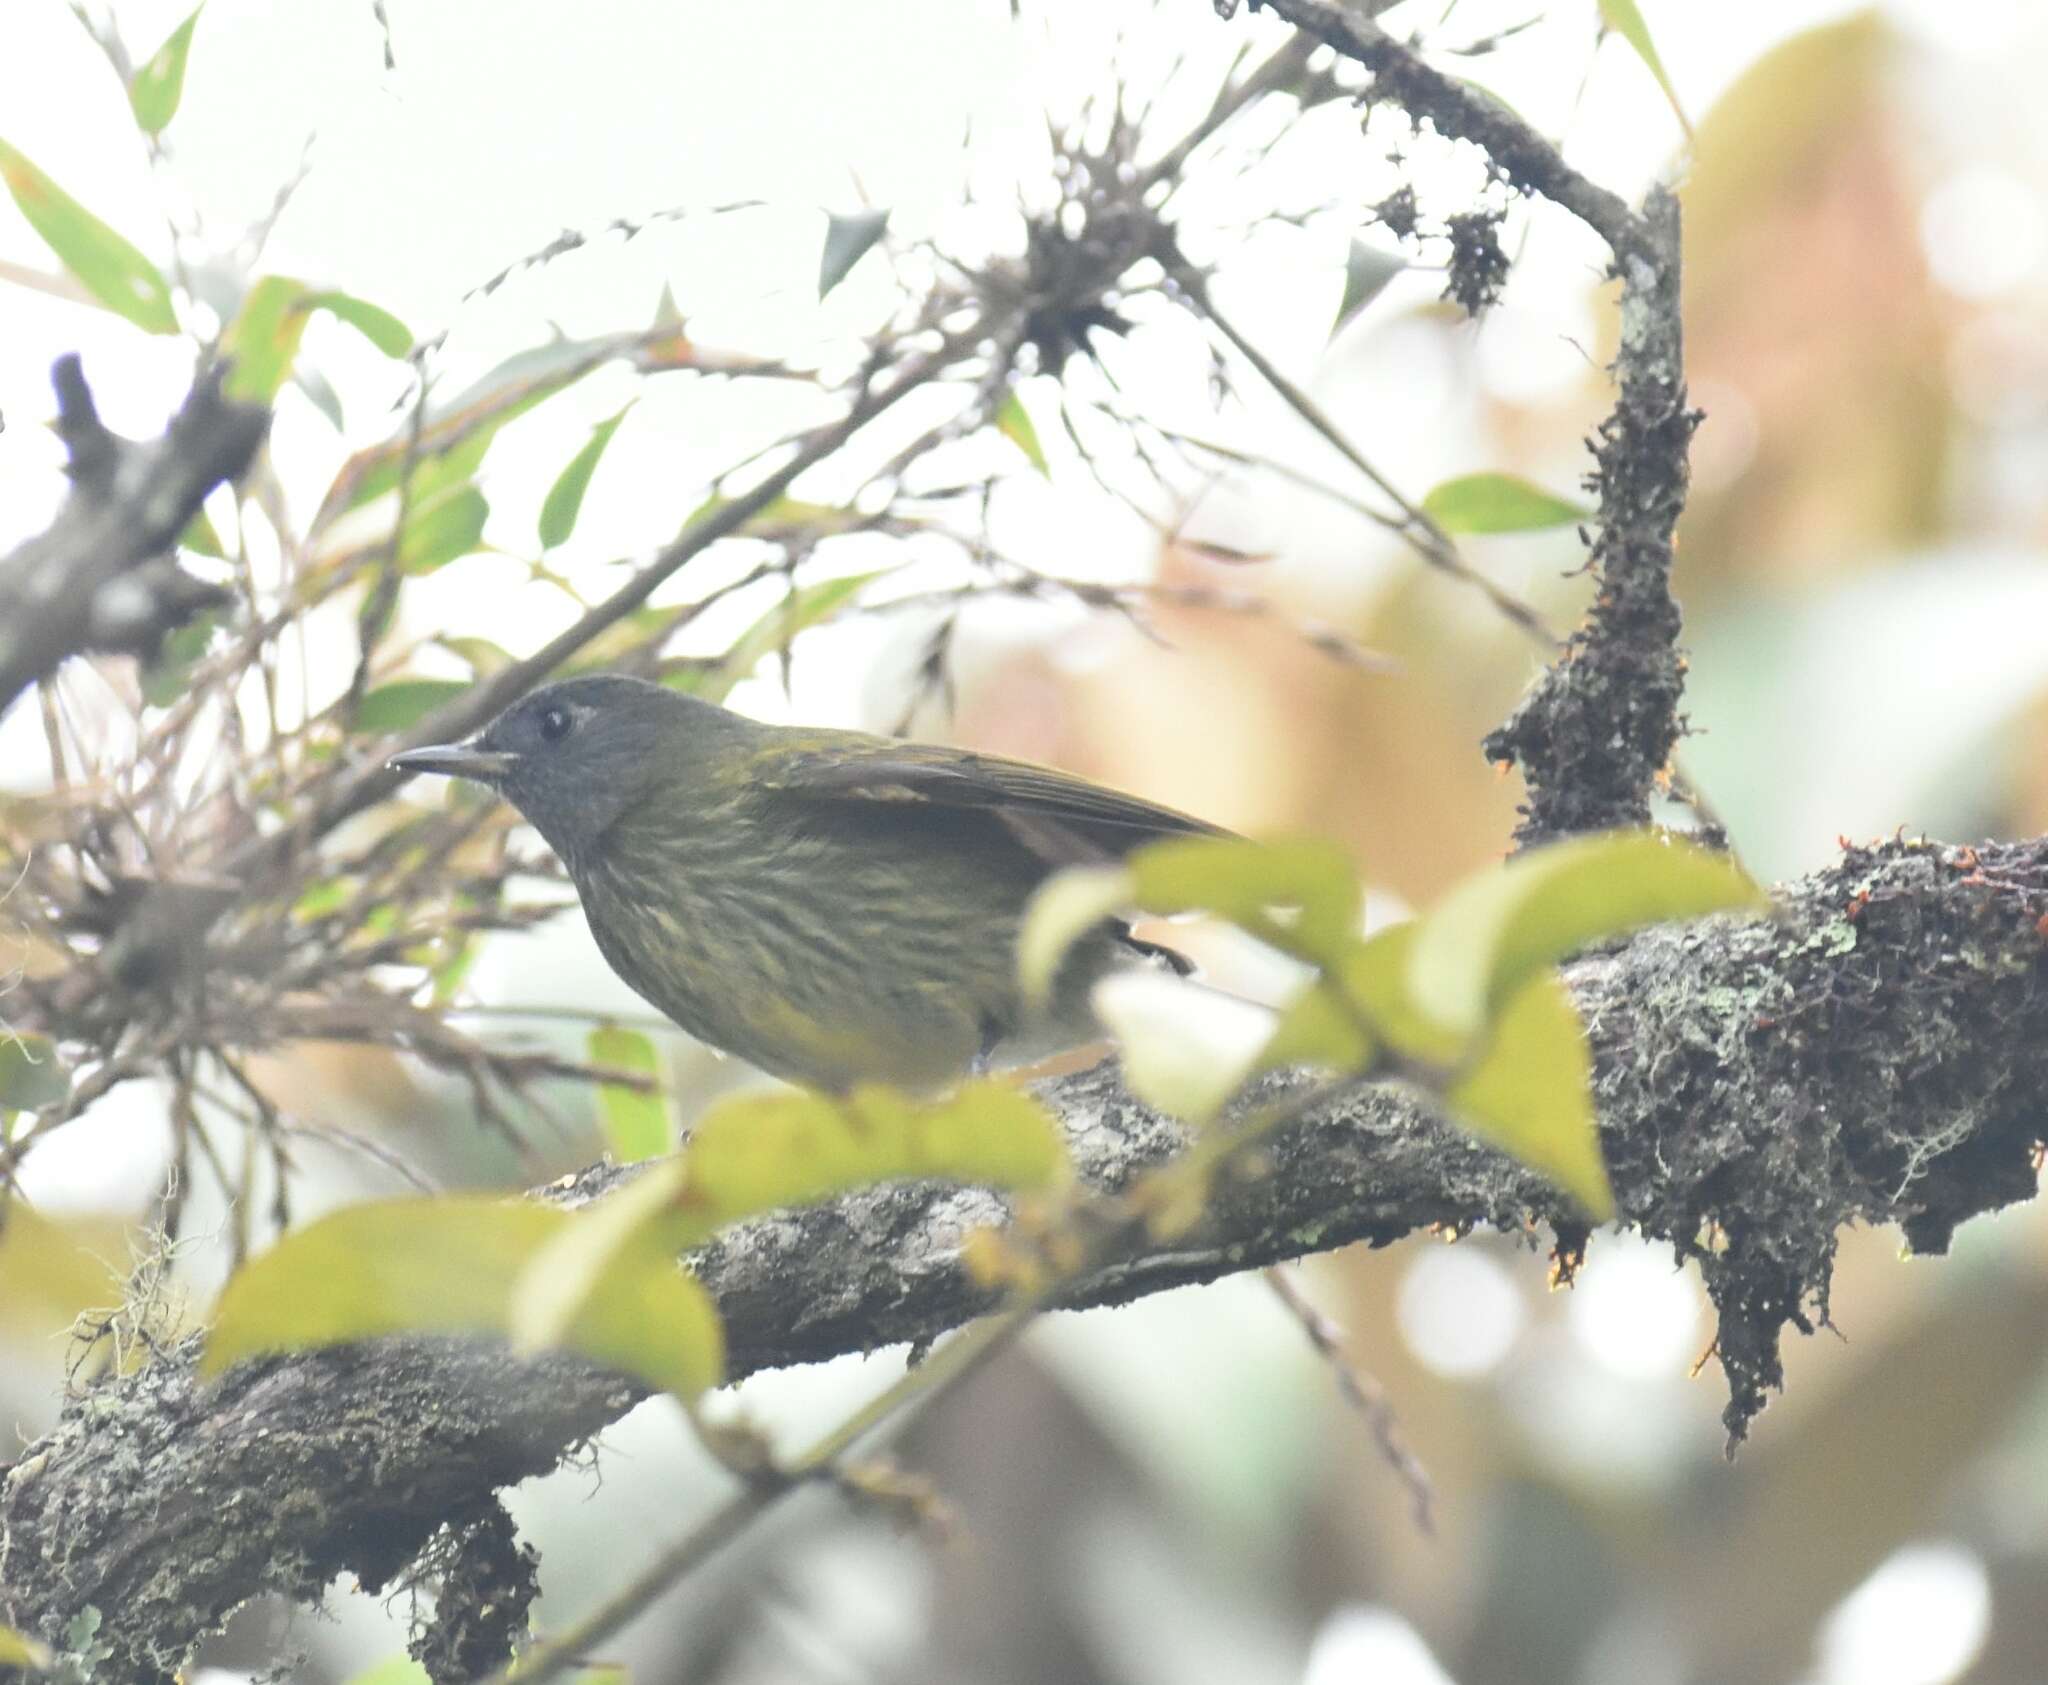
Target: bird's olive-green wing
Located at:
point(1063, 819)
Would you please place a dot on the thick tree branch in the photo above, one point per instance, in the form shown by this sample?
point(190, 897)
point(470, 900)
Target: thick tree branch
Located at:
point(1877, 1055)
point(102, 576)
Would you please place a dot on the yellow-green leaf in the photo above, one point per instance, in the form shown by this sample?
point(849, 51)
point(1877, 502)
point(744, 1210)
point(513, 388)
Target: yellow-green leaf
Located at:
point(50, 1271)
point(17, 1650)
point(847, 240)
point(1013, 421)
point(155, 88)
point(1625, 18)
point(1063, 910)
point(1531, 1093)
point(1374, 978)
point(112, 270)
point(396, 1670)
point(1486, 503)
point(403, 703)
point(447, 1266)
point(564, 502)
point(200, 537)
point(1246, 881)
point(635, 1120)
point(31, 1075)
point(264, 337)
point(445, 526)
point(377, 325)
point(608, 1286)
point(406, 1266)
point(1318, 1027)
point(1476, 948)
point(760, 1152)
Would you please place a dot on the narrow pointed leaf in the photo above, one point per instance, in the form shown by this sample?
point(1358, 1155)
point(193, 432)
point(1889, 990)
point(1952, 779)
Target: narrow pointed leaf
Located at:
point(1625, 18)
point(635, 1120)
point(447, 525)
point(1367, 270)
point(847, 240)
point(156, 88)
point(264, 337)
point(1474, 951)
point(403, 703)
point(558, 511)
point(377, 325)
point(112, 270)
point(1013, 421)
point(1488, 503)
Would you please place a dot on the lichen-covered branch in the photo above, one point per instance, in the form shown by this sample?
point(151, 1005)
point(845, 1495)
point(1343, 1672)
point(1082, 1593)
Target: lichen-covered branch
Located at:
point(1878, 1054)
point(102, 576)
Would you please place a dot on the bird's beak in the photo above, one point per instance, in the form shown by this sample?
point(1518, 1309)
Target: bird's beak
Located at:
point(456, 760)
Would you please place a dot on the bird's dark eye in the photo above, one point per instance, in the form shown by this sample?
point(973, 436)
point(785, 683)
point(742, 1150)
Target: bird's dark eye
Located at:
point(555, 721)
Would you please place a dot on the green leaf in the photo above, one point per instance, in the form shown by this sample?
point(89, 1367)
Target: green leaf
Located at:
point(847, 240)
point(1373, 979)
point(756, 1153)
point(564, 501)
point(1367, 270)
point(1531, 1093)
point(410, 1266)
point(1013, 421)
point(23, 1652)
point(1625, 18)
point(1246, 881)
point(447, 1266)
point(1475, 949)
point(378, 326)
point(403, 703)
point(458, 433)
point(762, 1152)
point(1064, 909)
point(31, 1076)
point(164, 680)
point(200, 537)
point(447, 525)
point(635, 1121)
point(395, 1670)
point(624, 1302)
point(113, 271)
point(1486, 503)
point(155, 89)
point(484, 657)
point(1319, 1027)
point(49, 1271)
point(799, 609)
point(264, 337)
point(784, 517)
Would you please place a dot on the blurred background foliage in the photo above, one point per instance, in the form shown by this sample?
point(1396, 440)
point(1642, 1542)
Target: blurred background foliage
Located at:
point(1175, 1492)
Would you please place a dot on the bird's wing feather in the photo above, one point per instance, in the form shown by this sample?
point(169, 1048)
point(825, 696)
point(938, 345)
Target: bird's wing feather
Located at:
point(1059, 817)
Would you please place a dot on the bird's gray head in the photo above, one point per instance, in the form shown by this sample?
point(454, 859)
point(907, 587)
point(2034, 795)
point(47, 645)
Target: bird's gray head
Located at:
point(572, 756)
